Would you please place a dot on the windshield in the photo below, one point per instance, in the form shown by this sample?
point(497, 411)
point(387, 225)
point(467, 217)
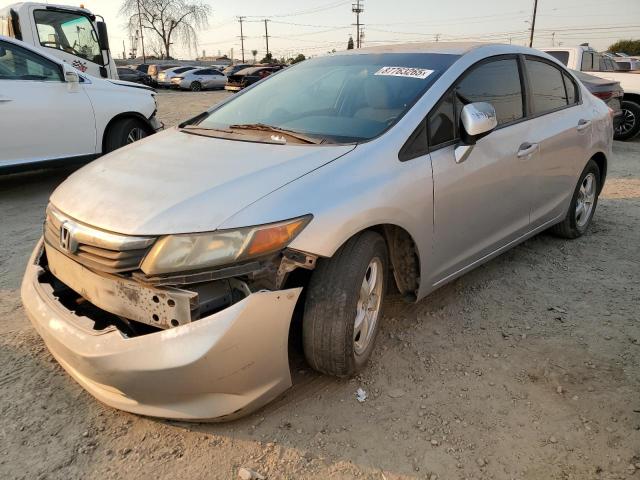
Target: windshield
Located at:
point(341, 99)
point(70, 32)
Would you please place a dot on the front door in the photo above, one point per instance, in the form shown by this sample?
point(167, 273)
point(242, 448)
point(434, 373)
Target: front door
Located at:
point(41, 116)
point(482, 203)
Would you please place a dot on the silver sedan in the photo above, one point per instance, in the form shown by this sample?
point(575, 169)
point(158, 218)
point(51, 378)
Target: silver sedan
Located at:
point(170, 270)
point(200, 79)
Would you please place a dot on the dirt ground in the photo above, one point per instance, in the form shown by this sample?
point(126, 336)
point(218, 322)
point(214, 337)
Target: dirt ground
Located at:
point(526, 368)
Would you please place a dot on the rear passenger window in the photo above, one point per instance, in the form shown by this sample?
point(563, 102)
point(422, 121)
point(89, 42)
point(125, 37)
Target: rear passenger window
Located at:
point(496, 82)
point(547, 86)
point(441, 122)
point(572, 90)
point(587, 62)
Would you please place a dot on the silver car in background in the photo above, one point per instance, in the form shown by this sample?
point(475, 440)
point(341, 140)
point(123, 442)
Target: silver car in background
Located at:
point(200, 79)
point(165, 77)
point(170, 270)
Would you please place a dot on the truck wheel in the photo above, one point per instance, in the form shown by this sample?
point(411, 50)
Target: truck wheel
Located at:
point(583, 204)
point(630, 123)
point(196, 86)
point(124, 132)
point(343, 306)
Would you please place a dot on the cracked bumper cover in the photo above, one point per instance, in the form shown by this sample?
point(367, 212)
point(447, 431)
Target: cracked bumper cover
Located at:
point(216, 368)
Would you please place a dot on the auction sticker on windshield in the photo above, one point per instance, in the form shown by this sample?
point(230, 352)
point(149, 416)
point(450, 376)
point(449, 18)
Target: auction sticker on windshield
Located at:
point(420, 73)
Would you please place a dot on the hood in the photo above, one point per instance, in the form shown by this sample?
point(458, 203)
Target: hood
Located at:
point(124, 83)
point(174, 182)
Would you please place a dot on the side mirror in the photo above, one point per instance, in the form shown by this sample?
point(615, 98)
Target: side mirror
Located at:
point(103, 38)
point(70, 74)
point(478, 120)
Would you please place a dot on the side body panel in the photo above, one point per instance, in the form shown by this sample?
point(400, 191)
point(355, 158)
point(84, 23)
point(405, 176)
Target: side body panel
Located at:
point(482, 203)
point(44, 120)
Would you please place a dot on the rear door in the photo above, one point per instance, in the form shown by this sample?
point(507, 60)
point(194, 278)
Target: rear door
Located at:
point(559, 126)
point(481, 204)
point(41, 116)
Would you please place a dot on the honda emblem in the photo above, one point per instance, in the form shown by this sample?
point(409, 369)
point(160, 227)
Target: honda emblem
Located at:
point(67, 242)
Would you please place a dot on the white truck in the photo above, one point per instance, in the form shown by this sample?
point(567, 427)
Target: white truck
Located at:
point(585, 59)
point(73, 34)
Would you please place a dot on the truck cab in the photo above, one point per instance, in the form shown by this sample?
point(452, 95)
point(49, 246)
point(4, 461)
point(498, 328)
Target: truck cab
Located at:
point(73, 34)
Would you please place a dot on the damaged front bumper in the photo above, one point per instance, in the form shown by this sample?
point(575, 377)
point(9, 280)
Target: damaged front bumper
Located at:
point(216, 368)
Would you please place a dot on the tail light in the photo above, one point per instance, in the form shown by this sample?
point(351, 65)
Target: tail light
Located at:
point(603, 95)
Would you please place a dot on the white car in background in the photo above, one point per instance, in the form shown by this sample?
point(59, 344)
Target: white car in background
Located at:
point(200, 79)
point(51, 114)
point(165, 77)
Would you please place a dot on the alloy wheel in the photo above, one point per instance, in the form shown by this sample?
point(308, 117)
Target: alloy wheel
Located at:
point(136, 134)
point(586, 199)
point(368, 307)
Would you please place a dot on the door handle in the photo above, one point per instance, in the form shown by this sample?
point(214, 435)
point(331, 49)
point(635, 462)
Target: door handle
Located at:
point(526, 149)
point(582, 124)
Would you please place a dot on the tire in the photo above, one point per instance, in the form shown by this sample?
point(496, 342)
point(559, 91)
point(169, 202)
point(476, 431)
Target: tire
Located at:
point(574, 224)
point(196, 86)
point(124, 132)
point(334, 300)
point(630, 122)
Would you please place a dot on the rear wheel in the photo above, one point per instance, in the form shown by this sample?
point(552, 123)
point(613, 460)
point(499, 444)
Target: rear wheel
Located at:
point(196, 86)
point(630, 123)
point(583, 204)
point(124, 132)
point(343, 306)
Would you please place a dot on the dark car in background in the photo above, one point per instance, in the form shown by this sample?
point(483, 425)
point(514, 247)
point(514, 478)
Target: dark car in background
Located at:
point(249, 76)
point(231, 69)
point(609, 91)
point(131, 75)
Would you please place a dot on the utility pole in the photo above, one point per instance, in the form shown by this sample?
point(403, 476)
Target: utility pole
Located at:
point(553, 39)
point(266, 35)
point(144, 57)
point(241, 19)
point(533, 22)
point(357, 8)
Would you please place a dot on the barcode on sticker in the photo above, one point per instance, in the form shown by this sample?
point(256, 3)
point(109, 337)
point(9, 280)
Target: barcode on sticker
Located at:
point(420, 73)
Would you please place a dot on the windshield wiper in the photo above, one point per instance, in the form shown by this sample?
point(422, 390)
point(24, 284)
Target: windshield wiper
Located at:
point(268, 128)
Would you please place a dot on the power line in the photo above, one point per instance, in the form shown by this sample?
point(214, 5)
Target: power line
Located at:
point(533, 22)
point(357, 8)
point(241, 19)
point(266, 35)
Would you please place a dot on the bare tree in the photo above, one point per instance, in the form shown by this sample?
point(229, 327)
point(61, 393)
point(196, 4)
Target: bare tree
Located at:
point(168, 19)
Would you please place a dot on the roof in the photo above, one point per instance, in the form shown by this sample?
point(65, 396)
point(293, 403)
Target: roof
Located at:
point(453, 48)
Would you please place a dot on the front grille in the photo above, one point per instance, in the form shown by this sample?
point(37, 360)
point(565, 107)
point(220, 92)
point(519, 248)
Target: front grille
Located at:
point(94, 248)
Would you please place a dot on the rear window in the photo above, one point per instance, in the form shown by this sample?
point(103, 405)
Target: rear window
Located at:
point(547, 86)
point(587, 62)
point(561, 56)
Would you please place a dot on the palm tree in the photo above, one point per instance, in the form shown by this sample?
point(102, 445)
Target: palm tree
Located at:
point(254, 53)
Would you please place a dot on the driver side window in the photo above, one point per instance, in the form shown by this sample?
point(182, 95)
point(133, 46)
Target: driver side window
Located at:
point(17, 63)
point(69, 32)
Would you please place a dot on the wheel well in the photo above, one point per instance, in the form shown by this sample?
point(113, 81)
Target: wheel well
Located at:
point(404, 258)
point(631, 97)
point(601, 161)
point(123, 116)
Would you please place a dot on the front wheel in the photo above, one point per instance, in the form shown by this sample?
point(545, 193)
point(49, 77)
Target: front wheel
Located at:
point(583, 204)
point(629, 125)
point(343, 306)
point(124, 132)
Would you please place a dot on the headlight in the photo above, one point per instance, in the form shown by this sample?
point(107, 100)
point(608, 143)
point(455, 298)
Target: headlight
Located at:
point(179, 253)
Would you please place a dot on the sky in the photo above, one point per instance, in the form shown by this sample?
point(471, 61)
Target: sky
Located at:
point(313, 27)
